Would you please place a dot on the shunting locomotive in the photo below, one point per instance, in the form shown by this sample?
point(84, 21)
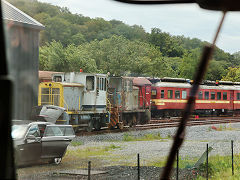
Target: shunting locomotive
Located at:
point(91, 101)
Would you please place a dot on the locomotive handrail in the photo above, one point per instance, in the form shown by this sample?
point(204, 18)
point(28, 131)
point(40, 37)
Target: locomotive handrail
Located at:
point(109, 104)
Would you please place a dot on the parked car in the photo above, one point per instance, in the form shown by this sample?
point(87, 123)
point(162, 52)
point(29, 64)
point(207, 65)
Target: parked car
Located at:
point(37, 142)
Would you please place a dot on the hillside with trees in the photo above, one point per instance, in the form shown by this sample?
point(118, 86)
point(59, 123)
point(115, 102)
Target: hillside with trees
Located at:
point(72, 41)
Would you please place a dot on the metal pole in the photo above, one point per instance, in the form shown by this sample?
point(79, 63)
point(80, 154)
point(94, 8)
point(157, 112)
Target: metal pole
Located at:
point(232, 158)
point(138, 161)
point(207, 163)
point(177, 164)
point(89, 170)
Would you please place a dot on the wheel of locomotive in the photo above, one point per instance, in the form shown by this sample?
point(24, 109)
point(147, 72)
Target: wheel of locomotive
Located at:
point(97, 125)
point(133, 121)
point(90, 126)
point(120, 125)
point(147, 115)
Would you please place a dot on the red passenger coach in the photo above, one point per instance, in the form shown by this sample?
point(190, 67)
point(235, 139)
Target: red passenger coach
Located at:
point(169, 97)
point(215, 99)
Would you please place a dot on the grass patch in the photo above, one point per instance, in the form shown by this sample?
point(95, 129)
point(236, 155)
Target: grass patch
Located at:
point(76, 143)
point(146, 137)
point(220, 167)
point(91, 151)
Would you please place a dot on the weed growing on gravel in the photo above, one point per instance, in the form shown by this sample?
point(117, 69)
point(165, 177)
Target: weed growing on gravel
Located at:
point(91, 151)
point(146, 137)
point(76, 143)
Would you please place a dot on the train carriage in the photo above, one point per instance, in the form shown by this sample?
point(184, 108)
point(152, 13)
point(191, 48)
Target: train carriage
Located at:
point(169, 97)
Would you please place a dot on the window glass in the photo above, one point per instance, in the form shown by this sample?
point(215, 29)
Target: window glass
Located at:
point(105, 84)
point(184, 94)
point(34, 131)
point(200, 95)
point(53, 131)
point(212, 95)
point(170, 94)
point(177, 94)
point(238, 96)
point(18, 131)
point(162, 93)
point(90, 83)
point(100, 83)
point(68, 131)
point(224, 95)
point(206, 95)
point(154, 92)
point(57, 79)
point(219, 95)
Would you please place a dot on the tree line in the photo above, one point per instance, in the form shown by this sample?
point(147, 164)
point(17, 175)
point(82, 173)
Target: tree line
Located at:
point(71, 42)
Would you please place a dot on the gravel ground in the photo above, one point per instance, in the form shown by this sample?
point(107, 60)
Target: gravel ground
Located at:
point(150, 151)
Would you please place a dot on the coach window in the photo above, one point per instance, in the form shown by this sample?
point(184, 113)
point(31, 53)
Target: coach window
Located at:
point(206, 95)
point(224, 95)
point(162, 93)
point(153, 93)
point(212, 95)
point(238, 96)
point(177, 94)
point(90, 83)
point(184, 94)
point(170, 94)
point(219, 95)
point(200, 95)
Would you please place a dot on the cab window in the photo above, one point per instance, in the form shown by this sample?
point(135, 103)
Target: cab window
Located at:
point(90, 83)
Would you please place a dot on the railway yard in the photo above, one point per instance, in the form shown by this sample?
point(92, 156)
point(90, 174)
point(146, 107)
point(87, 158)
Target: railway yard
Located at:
point(113, 153)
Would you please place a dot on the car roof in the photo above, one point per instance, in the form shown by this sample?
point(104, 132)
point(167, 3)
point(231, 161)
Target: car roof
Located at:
point(29, 122)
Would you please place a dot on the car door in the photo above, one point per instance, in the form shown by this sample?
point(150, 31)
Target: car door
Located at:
point(55, 140)
point(30, 151)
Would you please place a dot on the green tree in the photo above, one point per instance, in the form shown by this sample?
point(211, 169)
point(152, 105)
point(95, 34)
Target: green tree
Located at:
point(52, 57)
point(233, 74)
point(189, 64)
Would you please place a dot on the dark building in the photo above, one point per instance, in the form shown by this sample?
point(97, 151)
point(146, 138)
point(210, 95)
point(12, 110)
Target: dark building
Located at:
point(22, 38)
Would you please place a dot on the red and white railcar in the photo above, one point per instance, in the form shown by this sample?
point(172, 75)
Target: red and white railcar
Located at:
point(169, 97)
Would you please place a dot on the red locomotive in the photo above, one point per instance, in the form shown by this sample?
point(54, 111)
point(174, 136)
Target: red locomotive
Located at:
point(169, 97)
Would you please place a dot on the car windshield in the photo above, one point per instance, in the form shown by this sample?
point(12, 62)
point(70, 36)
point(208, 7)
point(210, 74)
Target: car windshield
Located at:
point(18, 131)
point(120, 75)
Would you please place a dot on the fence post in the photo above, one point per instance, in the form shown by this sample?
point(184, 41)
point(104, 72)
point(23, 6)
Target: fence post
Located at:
point(232, 158)
point(207, 163)
point(177, 164)
point(89, 170)
point(138, 161)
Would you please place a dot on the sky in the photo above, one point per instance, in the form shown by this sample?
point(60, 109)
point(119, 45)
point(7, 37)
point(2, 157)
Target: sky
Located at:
point(185, 19)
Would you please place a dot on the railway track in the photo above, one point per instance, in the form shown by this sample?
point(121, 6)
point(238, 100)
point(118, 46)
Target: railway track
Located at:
point(165, 123)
